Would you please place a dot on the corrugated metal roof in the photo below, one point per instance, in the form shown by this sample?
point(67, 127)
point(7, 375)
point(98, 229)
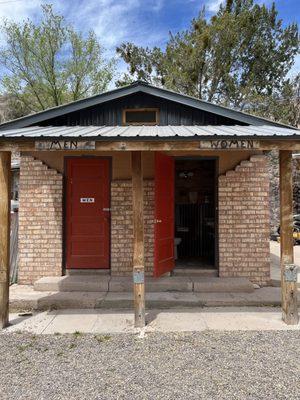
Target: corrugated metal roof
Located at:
point(131, 132)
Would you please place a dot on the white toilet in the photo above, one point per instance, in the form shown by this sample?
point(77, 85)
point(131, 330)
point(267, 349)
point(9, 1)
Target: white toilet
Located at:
point(177, 242)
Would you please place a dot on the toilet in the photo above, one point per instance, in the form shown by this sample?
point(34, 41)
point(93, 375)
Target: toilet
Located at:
point(177, 242)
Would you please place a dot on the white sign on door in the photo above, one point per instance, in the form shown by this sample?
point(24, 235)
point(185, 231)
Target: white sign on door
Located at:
point(87, 200)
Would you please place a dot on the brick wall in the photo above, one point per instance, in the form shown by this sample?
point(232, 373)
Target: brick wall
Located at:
point(244, 221)
point(121, 227)
point(40, 221)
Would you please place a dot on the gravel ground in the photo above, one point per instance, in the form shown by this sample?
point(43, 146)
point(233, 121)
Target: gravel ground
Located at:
point(207, 365)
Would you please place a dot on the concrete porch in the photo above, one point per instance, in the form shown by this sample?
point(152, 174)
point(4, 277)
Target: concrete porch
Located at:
point(107, 283)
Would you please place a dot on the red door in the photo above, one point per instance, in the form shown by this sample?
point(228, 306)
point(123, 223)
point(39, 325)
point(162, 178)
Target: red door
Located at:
point(164, 215)
point(87, 213)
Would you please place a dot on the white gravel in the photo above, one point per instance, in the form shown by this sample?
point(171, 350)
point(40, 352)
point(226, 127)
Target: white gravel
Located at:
point(204, 365)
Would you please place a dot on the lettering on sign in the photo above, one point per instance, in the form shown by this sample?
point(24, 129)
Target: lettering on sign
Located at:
point(223, 144)
point(87, 200)
point(65, 145)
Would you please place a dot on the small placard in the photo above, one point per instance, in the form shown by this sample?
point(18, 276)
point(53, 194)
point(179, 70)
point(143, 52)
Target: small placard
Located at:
point(222, 144)
point(87, 200)
point(65, 145)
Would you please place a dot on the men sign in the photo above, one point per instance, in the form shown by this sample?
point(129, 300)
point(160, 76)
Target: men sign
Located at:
point(229, 144)
point(65, 145)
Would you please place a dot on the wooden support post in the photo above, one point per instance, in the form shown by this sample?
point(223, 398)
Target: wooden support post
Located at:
point(4, 235)
point(288, 270)
point(138, 239)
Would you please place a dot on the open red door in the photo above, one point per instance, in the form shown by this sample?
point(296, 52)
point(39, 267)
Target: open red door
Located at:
point(164, 215)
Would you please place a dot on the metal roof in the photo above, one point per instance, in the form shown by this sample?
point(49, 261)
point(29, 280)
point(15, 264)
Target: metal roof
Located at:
point(150, 132)
point(35, 119)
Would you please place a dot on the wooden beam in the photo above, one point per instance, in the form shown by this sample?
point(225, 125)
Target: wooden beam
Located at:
point(5, 166)
point(288, 270)
point(138, 239)
point(150, 145)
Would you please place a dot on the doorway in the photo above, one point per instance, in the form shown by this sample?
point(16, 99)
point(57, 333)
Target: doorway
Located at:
point(195, 228)
point(87, 212)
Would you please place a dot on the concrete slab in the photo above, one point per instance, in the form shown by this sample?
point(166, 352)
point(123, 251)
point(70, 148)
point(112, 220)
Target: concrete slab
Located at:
point(174, 321)
point(26, 298)
point(114, 322)
point(245, 319)
point(216, 299)
point(153, 300)
point(36, 323)
point(70, 321)
point(63, 300)
point(73, 283)
point(169, 320)
point(163, 284)
point(215, 285)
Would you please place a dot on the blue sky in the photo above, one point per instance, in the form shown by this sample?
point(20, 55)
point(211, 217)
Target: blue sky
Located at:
point(145, 22)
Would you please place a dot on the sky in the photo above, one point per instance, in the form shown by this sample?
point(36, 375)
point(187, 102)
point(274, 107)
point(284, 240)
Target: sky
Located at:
point(144, 22)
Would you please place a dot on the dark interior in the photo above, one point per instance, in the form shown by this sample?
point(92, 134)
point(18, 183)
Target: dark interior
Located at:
point(195, 222)
point(137, 116)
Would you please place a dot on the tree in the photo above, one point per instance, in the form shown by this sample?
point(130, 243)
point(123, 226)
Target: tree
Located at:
point(240, 53)
point(284, 104)
point(49, 63)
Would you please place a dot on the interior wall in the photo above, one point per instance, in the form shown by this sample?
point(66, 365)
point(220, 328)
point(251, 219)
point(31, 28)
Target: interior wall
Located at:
point(121, 161)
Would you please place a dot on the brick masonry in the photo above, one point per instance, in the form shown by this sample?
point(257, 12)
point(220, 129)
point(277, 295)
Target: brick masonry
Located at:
point(244, 225)
point(40, 221)
point(121, 227)
point(243, 222)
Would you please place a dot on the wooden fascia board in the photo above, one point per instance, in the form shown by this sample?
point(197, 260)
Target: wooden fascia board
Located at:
point(135, 145)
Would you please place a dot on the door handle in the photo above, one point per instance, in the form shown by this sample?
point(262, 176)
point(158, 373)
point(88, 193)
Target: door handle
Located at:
point(158, 221)
point(105, 209)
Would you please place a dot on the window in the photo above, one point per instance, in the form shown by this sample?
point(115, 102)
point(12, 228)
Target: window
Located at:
point(140, 116)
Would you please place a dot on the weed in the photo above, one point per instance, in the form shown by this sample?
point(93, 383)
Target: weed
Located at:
point(102, 338)
point(24, 347)
point(77, 334)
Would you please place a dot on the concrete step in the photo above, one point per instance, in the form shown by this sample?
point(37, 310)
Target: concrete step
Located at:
point(188, 284)
point(194, 272)
point(87, 271)
point(26, 298)
point(72, 283)
point(223, 285)
point(163, 284)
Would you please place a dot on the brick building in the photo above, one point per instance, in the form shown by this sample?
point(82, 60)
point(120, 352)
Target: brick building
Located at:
point(205, 199)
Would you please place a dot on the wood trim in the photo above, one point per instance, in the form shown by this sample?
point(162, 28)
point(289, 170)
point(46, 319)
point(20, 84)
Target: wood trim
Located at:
point(125, 110)
point(138, 239)
point(5, 178)
point(288, 287)
point(150, 145)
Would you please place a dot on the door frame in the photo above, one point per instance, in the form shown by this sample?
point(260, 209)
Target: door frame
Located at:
point(216, 198)
point(64, 214)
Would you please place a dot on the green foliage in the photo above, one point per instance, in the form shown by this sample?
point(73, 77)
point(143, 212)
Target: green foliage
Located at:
point(241, 53)
point(282, 106)
point(49, 63)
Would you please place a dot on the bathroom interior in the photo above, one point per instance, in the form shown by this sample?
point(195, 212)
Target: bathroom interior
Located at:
point(195, 213)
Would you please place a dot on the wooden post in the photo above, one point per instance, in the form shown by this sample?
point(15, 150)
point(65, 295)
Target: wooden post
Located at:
point(4, 235)
point(138, 239)
point(288, 270)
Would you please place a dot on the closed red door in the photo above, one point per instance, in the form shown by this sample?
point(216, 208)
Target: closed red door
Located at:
point(164, 215)
point(87, 213)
